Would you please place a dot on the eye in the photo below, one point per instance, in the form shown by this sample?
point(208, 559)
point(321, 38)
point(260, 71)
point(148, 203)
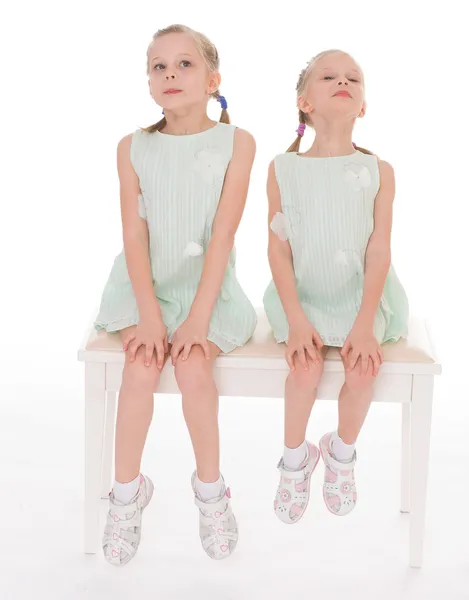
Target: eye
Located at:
point(183, 62)
point(355, 80)
point(328, 77)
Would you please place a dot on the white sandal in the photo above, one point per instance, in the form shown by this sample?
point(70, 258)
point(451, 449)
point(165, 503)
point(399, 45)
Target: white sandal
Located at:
point(339, 490)
point(292, 498)
point(218, 528)
point(123, 529)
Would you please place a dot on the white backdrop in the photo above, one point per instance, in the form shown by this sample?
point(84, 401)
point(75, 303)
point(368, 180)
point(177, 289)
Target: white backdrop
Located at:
point(74, 84)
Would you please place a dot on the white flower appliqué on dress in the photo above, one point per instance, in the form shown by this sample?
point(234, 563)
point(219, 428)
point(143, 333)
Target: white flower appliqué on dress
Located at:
point(357, 176)
point(280, 225)
point(209, 164)
point(341, 258)
point(193, 249)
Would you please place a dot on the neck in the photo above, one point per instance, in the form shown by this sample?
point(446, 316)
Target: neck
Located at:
point(185, 122)
point(332, 139)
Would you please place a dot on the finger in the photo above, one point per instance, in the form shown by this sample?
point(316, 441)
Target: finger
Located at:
point(345, 350)
point(149, 353)
point(160, 353)
point(313, 353)
point(376, 364)
point(186, 351)
point(127, 341)
point(133, 348)
point(381, 355)
point(318, 340)
point(363, 365)
point(289, 359)
point(165, 344)
point(353, 359)
point(302, 358)
point(175, 351)
point(206, 349)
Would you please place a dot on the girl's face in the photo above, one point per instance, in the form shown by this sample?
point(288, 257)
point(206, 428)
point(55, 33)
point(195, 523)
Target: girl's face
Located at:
point(178, 75)
point(335, 87)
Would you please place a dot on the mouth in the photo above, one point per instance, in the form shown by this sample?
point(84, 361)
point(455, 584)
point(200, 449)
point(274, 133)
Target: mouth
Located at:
point(343, 94)
point(172, 91)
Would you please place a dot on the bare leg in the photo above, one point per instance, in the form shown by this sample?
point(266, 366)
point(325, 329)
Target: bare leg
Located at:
point(300, 394)
point(354, 402)
point(134, 413)
point(200, 407)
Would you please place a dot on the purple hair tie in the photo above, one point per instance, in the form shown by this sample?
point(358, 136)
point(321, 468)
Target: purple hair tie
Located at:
point(223, 102)
point(354, 145)
point(301, 129)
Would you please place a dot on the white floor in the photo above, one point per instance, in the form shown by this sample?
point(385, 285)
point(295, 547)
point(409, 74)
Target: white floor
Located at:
point(361, 556)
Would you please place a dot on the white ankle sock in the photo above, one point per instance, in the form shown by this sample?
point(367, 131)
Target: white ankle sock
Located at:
point(124, 492)
point(210, 490)
point(342, 451)
point(293, 457)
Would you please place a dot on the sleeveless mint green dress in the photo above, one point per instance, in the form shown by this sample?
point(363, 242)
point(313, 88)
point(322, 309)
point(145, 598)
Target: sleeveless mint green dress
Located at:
point(328, 206)
point(181, 180)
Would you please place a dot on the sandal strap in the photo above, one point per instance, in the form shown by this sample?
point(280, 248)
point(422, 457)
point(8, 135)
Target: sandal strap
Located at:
point(119, 544)
point(214, 507)
point(212, 539)
point(337, 465)
point(300, 474)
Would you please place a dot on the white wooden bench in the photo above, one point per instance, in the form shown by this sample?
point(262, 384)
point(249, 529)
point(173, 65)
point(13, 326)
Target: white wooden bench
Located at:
point(259, 370)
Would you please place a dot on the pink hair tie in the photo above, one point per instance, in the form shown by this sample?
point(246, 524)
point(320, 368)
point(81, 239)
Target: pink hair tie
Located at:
point(301, 129)
point(354, 145)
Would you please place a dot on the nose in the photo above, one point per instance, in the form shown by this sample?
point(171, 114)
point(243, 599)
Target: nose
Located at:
point(343, 82)
point(168, 77)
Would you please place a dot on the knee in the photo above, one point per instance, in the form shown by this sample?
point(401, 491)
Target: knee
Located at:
point(193, 375)
point(358, 381)
point(138, 376)
point(306, 380)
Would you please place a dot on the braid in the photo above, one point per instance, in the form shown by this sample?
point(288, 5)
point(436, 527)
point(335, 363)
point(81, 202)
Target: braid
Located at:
point(224, 117)
point(156, 126)
point(295, 147)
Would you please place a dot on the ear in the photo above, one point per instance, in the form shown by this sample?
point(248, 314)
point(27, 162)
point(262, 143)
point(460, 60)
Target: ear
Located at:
point(304, 105)
point(214, 83)
point(362, 111)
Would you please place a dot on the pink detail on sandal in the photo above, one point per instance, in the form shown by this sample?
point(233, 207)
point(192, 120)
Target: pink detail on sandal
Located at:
point(302, 486)
point(296, 510)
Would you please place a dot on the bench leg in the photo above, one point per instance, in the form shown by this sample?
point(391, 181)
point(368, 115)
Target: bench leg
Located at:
point(95, 392)
point(421, 416)
point(108, 443)
point(405, 459)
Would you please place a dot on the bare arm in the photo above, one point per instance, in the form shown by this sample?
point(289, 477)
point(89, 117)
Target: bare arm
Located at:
point(226, 222)
point(378, 252)
point(135, 233)
point(281, 259)
point(303, 339)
